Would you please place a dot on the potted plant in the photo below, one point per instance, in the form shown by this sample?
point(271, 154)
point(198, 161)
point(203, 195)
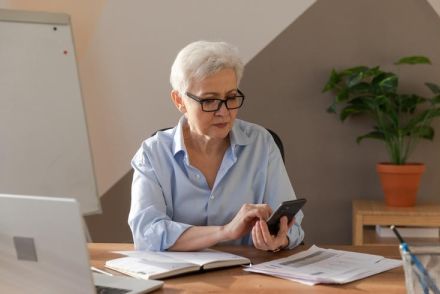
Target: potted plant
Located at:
point(400, 120)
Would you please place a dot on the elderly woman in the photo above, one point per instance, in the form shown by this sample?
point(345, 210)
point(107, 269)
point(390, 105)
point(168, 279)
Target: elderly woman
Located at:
point(212, 178)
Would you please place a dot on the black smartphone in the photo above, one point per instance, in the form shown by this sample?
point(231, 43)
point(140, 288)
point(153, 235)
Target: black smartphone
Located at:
point(286, 208)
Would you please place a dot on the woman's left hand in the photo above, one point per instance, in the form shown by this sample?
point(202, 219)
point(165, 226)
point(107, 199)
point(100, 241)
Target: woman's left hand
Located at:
point(263, 240)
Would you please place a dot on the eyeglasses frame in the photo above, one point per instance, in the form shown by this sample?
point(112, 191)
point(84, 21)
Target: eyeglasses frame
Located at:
point(222, 101)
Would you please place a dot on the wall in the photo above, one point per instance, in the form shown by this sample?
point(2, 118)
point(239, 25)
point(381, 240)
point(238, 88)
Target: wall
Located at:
point(284, 83)
point(126, 49)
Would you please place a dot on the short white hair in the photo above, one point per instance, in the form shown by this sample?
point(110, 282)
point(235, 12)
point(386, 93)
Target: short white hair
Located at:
point(201, 59)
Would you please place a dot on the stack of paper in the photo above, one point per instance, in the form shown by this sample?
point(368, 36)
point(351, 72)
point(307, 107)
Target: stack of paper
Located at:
point(318, 265)
point(408, 232)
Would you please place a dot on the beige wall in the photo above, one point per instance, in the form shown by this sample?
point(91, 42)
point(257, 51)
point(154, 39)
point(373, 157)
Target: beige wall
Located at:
point(125, 85)
point(283, 84)
point(125, 50)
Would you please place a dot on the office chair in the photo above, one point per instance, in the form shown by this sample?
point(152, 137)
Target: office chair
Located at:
point(278, 141)
point(275, 137)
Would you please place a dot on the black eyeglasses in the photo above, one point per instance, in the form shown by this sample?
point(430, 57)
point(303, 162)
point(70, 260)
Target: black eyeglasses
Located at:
point(233, 101)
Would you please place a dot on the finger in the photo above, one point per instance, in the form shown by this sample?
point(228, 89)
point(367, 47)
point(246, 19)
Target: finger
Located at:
point(254, 237)
point(259, 236)
point(257, 244)
point(263, 210)
point(283, 227)
point(250, 217)
point(256, 241)
point(248, 206)
point(283, 223)
point(267, 209)
point(270, 241)
point(265, 232)
point(257, 212)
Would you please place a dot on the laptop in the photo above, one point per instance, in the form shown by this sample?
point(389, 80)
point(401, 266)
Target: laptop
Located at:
point(43, 250)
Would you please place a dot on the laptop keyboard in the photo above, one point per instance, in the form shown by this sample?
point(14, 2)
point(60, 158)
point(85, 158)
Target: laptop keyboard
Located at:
point(108, 290)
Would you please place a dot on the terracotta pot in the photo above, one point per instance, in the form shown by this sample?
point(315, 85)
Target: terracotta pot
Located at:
point(400, 183)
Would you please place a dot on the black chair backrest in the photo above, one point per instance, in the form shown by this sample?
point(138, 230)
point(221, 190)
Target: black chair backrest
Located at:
point(161, 130)
point(275, 137)
point(278, 141)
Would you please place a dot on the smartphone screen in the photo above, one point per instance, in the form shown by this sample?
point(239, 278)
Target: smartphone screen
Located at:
point(287, 208)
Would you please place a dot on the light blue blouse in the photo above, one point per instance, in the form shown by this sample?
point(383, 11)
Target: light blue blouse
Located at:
point(169, 195)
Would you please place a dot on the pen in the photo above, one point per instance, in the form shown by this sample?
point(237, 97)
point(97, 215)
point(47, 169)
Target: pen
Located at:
point(95, 269)
point(422, 274)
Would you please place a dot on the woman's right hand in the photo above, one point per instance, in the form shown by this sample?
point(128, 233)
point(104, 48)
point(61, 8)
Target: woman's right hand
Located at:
point(245, 219)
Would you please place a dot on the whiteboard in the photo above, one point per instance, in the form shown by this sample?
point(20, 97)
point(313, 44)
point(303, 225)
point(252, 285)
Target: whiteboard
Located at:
point(44, 146)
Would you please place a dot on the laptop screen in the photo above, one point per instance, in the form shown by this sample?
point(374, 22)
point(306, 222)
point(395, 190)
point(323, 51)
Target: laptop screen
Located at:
point(42, 245)
point(43, 249)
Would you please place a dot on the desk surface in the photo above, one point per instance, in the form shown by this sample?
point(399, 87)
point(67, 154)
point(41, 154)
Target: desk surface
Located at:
point(235, 280)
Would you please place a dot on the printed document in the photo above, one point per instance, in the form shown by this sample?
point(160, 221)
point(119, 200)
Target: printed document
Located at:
point(317, 265)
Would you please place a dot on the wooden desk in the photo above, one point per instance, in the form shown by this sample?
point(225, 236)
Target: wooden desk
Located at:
point(368, 213)
point(235, 280)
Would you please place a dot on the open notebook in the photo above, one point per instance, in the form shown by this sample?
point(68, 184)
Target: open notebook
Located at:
point(159, 265)
point(43, 250)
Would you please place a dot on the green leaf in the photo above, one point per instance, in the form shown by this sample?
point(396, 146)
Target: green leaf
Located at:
point(374, 71)
point(378, 135)
point(363, 103)
point(389, 84)
point(360, 88)
point(414, 121)
point(354, 70)
point(333, 80)
point(433, 112)
point(381, 100)
point(355, 79)
point(425, 132)
point(422, 118)
point(348, 111)
point(378, 78)
point(433, 87)
point(393, 119)
point(435, 100)
point(342, 95)
point(408, 103)
point(414, 60)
